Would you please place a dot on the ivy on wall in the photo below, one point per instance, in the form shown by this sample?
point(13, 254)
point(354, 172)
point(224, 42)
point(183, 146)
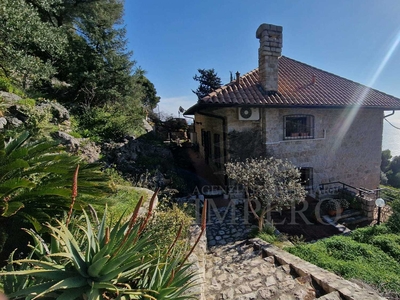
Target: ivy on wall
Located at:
point(245, 144)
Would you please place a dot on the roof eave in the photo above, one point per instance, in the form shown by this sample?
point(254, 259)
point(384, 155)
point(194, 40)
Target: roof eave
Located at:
point(192, 110)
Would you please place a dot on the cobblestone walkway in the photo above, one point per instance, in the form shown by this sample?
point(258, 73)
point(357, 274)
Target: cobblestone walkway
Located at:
point(226, 225)
point(234, 270)
point(238, 272)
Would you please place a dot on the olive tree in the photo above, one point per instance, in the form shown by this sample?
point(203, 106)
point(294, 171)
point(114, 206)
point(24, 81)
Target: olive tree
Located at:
point(272, 183)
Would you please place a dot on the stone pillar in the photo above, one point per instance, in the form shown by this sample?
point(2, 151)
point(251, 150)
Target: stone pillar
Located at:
point(270, 50)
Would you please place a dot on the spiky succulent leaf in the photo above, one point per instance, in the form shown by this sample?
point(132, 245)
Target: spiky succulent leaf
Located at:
point(38, 175)
point(125, 265)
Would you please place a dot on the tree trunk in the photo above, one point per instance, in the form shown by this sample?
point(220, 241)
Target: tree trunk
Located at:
point(261, 220)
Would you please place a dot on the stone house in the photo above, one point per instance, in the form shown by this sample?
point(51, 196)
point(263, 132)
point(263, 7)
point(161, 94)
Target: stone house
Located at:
point(328, 126)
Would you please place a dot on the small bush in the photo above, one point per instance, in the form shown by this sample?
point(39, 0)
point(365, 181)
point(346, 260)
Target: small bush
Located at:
point(75, 134)
point(269, 238)
point(5, 84)
point(394, 220)
point(166, 223)
point(346, 249)
point(364, 235)
point(389, 243)
point(27, 102)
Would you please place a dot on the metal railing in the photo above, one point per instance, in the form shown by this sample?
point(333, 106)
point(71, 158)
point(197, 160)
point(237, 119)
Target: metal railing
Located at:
point(387, 194)
point(359, 191)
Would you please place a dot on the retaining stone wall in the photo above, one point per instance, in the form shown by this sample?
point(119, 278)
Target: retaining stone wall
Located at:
point(198, 259)
point(330, 282)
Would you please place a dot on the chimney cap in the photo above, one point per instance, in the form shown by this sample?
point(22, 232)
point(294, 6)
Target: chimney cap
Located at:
point(268, 27)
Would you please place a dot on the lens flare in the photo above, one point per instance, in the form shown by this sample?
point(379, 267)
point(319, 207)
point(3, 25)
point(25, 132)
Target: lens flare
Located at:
point(348, 115)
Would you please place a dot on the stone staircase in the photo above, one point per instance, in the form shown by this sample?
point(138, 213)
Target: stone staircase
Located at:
point(254, 270)
point(238, 271)
point(351, 217)
point(241, 269)
point(347, 218)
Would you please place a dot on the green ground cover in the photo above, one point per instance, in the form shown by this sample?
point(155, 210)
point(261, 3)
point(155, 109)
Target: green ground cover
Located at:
point(371, 254)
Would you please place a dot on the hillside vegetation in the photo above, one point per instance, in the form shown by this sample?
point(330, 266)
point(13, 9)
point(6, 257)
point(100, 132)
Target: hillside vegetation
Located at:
point(75, 52)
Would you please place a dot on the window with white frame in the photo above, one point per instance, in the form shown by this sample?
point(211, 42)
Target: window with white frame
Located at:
point(298, 127)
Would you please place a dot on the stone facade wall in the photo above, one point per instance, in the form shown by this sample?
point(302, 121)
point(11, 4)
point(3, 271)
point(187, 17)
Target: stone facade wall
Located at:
point(335, 154)
point(352, 156)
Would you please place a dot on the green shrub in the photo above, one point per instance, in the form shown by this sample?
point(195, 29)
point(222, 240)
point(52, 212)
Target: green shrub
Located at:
point(109, 123)
point(75, 134)
point(38, 120)
point(5, 84)
point(365, 235)
point(166, 224)
point(27, 102)
point(269, 238)
point(394, 220)
point(389, 243)
point(346, 249)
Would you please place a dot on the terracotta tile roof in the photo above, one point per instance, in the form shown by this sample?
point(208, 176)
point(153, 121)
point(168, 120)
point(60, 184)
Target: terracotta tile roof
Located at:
point(295, 88)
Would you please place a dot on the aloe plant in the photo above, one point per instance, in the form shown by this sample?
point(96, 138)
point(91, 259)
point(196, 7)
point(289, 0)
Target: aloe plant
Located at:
point(97, 262)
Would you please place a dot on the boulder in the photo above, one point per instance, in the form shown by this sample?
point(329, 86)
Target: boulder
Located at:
point(88, 150)
point(9, 97)
point(67, 140)
point(59, 112)
point(15, 122)
point(3, 122)
point(147, 126)
point(136, 156)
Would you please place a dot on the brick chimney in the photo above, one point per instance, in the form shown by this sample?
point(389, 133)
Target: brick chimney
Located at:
point(270, 50)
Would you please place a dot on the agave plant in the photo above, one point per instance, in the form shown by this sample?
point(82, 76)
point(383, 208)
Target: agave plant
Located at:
point(35, 179)
point(123, 262)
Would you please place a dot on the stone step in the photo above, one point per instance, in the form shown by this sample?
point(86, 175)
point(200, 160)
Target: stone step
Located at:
point(331, 296)
point(349, 213)
point(354, 220)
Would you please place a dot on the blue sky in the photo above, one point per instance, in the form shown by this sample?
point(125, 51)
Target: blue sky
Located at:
point(350, 38)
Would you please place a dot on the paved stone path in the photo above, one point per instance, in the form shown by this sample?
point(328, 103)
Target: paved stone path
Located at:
point(238, 272)
point(226, 225)
point(234, 270)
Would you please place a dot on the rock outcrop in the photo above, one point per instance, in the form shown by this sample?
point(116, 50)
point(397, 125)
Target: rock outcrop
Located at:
point(88, 150)
point(125, 155)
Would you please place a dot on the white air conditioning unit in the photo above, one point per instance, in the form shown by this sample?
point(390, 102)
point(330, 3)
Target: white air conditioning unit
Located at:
point(248, 114)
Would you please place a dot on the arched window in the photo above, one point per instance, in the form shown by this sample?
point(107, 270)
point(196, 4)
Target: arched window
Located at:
point(298, 127)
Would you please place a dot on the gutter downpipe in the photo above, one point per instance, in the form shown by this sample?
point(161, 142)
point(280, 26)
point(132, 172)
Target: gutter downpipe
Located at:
point(391, 114)
point(224, 136)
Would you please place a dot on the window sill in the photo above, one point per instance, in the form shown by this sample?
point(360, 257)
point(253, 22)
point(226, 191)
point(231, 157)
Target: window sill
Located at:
point(298, 137)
